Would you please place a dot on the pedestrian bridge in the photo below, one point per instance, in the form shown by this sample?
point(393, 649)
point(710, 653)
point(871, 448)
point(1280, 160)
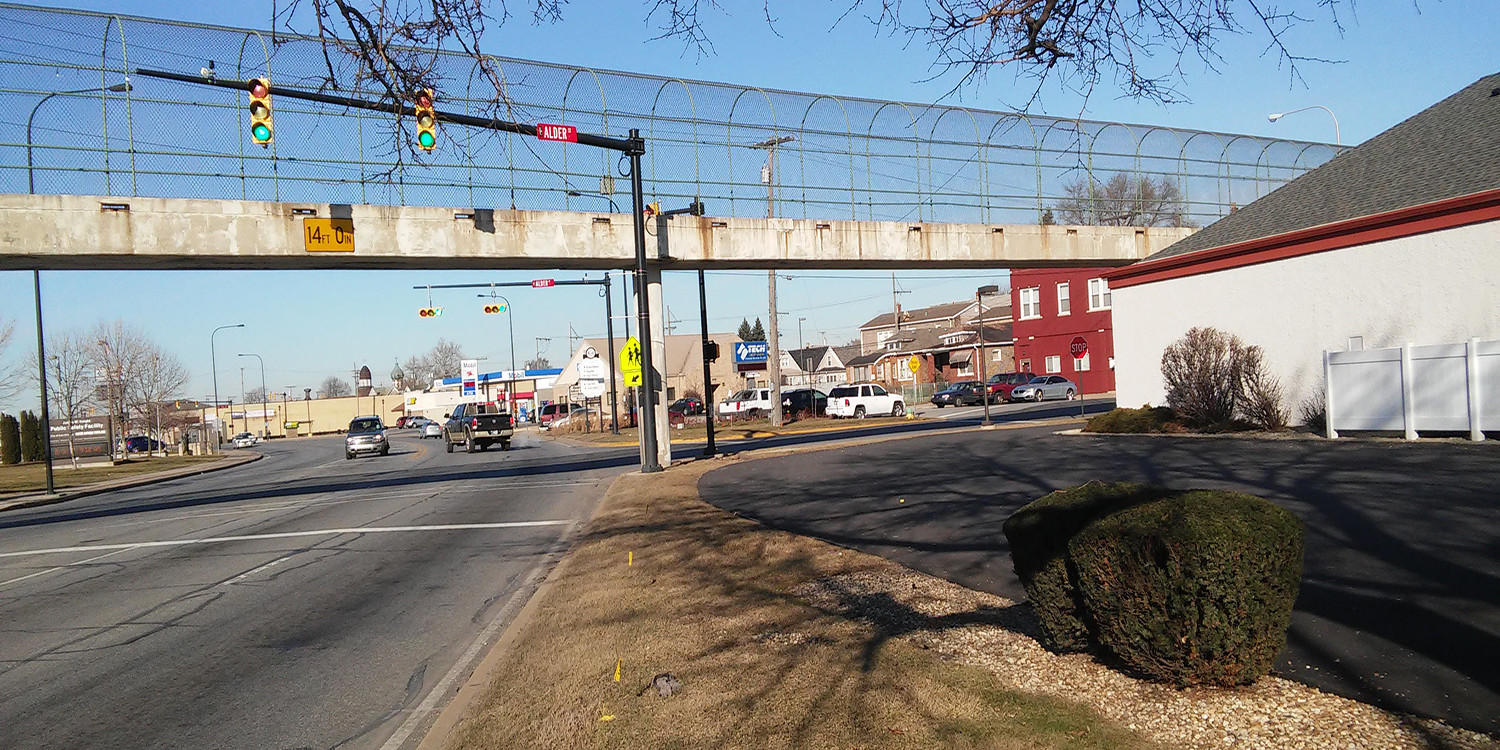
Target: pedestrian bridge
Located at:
point(107, 232)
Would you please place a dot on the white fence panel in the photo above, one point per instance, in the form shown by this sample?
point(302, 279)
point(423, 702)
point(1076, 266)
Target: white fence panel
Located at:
point(1442, 388)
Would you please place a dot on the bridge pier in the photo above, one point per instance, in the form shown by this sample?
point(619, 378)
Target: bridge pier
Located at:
point(656, 379)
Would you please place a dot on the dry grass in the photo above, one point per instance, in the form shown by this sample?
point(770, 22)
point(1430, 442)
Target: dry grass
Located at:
point(32, 477)
point(712, 599)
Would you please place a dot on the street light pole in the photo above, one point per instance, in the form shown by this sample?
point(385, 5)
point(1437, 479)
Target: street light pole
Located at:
point(36, 285)
point(984, 380)
point(214, 357)
point(1337, 139)
point(510, 391)
point(265, 424)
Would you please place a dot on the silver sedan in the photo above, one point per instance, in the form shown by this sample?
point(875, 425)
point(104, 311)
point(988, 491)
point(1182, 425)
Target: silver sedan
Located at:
point(1044, 387)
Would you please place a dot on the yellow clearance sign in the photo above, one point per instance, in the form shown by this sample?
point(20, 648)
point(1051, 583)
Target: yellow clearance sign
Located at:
point(630, 362)
point(328, 235)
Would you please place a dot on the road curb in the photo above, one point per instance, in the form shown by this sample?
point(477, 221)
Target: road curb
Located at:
point(37, 500)
point(453, 714)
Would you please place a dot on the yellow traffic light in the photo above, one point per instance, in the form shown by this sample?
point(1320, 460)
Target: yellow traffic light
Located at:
point(430, 312)
point(426, 121)
point(260, 111)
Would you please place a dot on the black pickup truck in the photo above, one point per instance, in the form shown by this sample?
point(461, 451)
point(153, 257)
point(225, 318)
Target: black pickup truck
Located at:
point(477, 426)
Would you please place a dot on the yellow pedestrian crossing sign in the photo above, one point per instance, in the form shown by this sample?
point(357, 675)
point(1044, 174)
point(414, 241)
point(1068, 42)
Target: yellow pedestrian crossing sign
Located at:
point(630, 362)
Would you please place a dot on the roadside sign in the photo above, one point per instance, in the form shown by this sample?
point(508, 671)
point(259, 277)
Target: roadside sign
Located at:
point(550, 132)
point(751, 351)
point(328, 235)
point(469, 377)
point(1079, 347)
point(914, 364)
point(630, 362)
point(541, 283)
point(591, 375)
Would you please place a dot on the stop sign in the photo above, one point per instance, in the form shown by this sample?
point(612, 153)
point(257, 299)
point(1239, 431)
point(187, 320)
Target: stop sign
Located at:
point(1079, 347)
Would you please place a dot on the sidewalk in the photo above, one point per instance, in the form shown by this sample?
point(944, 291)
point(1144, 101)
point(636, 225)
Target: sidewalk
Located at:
point(21, 500)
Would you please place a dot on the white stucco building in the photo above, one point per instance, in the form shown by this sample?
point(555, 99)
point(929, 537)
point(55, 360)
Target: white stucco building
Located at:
point(1396, 241)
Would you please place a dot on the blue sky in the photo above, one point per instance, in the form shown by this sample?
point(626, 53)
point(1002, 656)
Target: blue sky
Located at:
point(1398, 59)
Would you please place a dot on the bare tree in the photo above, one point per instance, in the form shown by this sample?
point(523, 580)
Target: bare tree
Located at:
point(70, 380)
point(1141, 47)
point(1126, 200)
point(256, 395)
point(160, 379)
point(540, 363)
point(333, 386)
point(10, 384)
point(443, 360)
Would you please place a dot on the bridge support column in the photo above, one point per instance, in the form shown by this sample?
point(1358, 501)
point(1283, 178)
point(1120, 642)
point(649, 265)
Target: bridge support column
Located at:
point(657, 379)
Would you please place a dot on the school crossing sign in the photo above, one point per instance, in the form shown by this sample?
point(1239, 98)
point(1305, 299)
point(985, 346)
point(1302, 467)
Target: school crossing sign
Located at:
point(630, 362)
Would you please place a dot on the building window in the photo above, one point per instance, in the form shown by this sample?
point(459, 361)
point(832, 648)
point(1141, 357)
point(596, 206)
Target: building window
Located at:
point(998, 355)
point(1031, 302)
point(1063, 305)
point(1098, 294)
point(1081, 364)
point(1054, 363)
point(1023, 366)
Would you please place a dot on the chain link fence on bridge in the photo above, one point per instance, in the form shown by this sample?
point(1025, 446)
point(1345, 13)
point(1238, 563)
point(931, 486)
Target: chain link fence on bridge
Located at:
point(66, 132)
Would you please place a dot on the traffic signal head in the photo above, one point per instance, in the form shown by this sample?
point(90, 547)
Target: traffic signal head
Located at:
point(429, 312)
point(260, 111)
point(493, 309)
point(426, 120)
point(711, 351)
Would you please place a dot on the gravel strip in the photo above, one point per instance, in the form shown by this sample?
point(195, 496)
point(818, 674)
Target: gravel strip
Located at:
point(994, 633)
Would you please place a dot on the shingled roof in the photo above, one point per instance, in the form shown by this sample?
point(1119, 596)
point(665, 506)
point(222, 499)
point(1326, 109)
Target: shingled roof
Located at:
point(1448, 150)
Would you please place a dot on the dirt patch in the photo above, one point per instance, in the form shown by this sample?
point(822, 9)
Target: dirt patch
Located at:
point(662, 582)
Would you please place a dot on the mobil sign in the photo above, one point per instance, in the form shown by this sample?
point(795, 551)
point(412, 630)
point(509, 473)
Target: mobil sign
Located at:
point(469, 377)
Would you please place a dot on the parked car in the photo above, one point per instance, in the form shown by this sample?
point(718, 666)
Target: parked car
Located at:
point(432, 430)
point(860, 400)
point(1002, 384)
point(143, 444)
point(966, 392)
point(1043, 387)
point(809, 401)
point(552, 412)
point(688, 406)
point(243, 440)
point(416, 422)
point(751, 402)
point(366, 435)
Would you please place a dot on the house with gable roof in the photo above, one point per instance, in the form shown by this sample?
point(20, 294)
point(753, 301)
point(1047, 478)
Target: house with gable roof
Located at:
point(1395, 241)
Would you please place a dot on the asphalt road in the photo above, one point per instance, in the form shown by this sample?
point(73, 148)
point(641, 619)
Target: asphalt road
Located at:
point(1400, 599)
point(302, 601)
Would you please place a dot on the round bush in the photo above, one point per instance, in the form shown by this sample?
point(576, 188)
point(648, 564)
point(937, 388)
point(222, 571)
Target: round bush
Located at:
point(1191, 588)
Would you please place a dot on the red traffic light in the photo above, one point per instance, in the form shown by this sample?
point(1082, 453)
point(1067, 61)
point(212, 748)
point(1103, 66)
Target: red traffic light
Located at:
point(429, 312)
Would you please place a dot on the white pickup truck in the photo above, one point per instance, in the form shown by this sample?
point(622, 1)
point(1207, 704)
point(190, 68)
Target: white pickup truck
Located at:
point(749, 403)
point(860, 400)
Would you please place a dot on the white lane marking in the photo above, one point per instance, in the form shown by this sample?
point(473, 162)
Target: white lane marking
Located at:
point(286, 535)
point(267, 566)
point(61, 567)
point(444, 689)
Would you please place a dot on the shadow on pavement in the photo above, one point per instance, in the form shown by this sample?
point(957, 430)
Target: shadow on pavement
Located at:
point(1400, 602)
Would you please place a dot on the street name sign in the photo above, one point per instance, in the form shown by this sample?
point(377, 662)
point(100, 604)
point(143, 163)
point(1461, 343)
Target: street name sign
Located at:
point(541, 283)
point(550, 132)
point(328, 235)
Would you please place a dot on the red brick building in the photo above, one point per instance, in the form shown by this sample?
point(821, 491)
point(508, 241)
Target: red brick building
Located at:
point(1051, 306)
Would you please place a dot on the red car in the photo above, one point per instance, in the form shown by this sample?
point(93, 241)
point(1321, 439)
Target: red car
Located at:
point(1001, 385)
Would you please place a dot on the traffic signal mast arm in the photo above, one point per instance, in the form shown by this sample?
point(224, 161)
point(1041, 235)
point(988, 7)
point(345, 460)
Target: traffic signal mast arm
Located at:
point(624, 145)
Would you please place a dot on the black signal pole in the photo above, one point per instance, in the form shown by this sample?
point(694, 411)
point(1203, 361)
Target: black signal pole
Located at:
point(634, 146)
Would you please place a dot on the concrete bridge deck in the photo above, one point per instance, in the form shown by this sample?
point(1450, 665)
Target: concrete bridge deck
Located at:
point(75, 232)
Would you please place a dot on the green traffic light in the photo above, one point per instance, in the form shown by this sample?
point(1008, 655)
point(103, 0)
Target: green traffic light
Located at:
point(260, 132)
point(426, 140)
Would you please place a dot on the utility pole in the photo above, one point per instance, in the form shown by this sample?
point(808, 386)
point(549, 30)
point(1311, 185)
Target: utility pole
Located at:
point(773, 348)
